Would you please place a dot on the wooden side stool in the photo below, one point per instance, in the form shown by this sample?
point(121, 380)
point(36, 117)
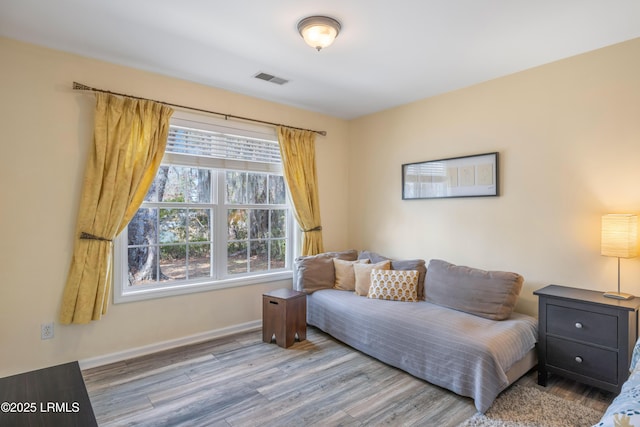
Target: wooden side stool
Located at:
point(284, 314)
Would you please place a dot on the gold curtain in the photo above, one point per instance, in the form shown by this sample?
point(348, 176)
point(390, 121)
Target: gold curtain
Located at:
point(130, 137)
point(298, 151)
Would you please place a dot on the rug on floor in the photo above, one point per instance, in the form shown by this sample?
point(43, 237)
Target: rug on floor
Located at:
point(522, 406)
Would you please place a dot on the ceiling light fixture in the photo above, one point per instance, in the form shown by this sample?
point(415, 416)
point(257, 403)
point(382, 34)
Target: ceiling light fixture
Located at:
point(319, 31)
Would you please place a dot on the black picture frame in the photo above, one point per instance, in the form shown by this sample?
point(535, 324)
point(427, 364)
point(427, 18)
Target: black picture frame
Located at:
point(467, 176)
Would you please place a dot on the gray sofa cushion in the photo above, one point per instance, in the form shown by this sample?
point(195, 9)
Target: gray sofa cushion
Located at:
point(401, 264)
point(490, 294)
point(316, 272)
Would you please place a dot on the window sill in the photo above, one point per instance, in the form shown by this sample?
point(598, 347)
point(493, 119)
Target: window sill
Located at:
point(142, 294)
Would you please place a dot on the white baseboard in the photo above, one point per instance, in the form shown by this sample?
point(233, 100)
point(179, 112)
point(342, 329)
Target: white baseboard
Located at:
point(166, 345)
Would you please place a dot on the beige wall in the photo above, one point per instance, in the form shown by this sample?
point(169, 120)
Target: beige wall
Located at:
point(568, 134)
point(46, 133)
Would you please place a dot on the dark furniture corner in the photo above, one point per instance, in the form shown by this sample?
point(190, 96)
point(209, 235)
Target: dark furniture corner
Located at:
point(54, 396)
point(585, 337)
point(284, 314)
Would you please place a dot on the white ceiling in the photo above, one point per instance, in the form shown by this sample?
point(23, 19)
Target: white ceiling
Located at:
point(389, 52)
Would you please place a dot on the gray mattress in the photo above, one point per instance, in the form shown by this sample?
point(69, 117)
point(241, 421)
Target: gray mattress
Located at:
point(466, 354)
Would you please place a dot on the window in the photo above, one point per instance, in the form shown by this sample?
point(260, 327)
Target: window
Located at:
point(216, 215)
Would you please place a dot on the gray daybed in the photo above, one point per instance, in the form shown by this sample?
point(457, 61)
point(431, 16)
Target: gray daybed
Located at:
point(448, 337)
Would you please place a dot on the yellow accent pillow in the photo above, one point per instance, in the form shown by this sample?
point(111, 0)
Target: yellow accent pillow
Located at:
point(345, 276)
point(363, 275)
point(396, 285)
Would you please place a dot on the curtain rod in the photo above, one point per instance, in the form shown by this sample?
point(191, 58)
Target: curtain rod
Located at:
point(80, 86)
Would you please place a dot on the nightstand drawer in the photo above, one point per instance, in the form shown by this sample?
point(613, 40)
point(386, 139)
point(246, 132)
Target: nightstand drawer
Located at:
point(587, 326)
point(593, 362)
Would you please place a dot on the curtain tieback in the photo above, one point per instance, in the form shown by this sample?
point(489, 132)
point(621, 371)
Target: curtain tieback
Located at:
point(88, 236)
point(318, 228)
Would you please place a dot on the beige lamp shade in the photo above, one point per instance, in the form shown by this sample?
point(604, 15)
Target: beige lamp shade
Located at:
point(619, 235)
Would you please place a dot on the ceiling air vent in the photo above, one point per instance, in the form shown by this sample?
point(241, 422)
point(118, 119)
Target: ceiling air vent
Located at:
point(271, 78)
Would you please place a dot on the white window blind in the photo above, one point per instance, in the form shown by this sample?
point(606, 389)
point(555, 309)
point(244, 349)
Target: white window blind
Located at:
point(197, 142)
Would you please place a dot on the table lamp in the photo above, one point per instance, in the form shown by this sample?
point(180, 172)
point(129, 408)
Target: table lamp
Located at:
point(619, 239)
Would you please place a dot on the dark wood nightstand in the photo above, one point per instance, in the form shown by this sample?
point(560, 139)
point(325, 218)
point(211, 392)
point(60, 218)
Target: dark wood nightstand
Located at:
point(585, 336)
point(284, 314)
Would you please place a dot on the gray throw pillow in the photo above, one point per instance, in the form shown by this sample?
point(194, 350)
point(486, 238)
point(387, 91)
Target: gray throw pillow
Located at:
point(401, 264)
point(315, 272)
point(490, 294)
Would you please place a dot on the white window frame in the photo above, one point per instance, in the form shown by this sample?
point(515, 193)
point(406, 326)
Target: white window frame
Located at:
point(123, 292)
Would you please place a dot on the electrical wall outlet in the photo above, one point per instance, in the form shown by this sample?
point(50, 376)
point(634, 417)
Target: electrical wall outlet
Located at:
point(46, 331)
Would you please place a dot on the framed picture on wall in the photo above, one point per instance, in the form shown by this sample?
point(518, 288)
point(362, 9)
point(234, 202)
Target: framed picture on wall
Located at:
point(468, 176)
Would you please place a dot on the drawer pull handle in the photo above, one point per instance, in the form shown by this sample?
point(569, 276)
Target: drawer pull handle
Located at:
point(273, 302)
point(578, 359)
point(578, 325)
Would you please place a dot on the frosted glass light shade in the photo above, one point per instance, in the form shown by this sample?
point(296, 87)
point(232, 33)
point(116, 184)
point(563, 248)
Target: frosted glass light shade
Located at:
point(319, 31)
point(619, 235)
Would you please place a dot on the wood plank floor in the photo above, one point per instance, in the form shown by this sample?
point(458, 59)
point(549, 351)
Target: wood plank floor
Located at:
point(241, 381)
